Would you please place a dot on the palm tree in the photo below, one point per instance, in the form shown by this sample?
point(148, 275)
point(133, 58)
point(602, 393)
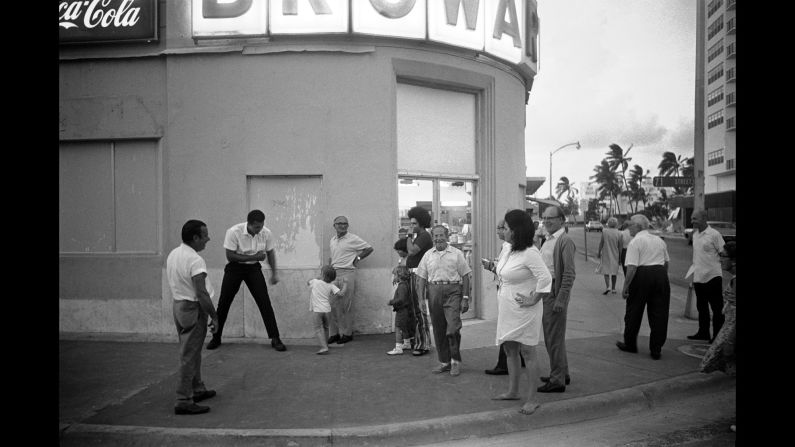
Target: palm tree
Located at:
point(607, 180)
point(564, 186)
point(617, 158)
point(635, 181)
point(670, 164)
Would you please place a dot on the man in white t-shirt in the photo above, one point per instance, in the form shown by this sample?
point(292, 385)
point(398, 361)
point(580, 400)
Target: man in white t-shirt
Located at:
point(192, 293)
point(707, 276)
point(646, 286)
point(247, 244)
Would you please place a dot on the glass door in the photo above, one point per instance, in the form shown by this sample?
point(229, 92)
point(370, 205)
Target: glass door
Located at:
point(450, 203)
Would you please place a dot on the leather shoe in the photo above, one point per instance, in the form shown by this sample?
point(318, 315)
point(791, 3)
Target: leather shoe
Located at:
point(656, 355)
point(704, 337)
point(278, 345)
point(333, 339)
point(546, 379)
point(497, 371)
point(198, 397)
point(214, 343)
point(345, 339)
point(626, 348)
point(550, 388)
point(191, 409)
point(419, 352)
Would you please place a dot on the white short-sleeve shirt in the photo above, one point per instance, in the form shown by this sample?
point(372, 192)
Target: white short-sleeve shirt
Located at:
point(706, 262)
point(320, 295)
point(182, 264)
point(241, 242)
point(646, 249)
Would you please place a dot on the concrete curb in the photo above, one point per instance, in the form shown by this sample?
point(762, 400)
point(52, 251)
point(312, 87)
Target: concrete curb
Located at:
point(474, 425)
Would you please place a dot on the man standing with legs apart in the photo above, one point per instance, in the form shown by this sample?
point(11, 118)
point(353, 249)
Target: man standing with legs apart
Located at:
point(192, 294)
point(707, 276)
point(247, 244)
point(646, 284)
point(446, 273)
point(347, 250)
point(558, 254)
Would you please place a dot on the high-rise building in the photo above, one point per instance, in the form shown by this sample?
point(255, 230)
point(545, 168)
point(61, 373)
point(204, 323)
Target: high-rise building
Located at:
point(715, 104)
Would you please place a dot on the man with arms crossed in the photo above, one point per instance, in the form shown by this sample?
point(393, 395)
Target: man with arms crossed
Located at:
point(247, 244)
point(192, 294)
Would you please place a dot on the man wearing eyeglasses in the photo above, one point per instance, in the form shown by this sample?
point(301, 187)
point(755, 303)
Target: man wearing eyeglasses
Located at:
point(707, 276)
point(347, 251)
point(558, 254)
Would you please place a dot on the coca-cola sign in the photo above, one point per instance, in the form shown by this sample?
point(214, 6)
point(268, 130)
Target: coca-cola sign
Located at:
point(92, 21)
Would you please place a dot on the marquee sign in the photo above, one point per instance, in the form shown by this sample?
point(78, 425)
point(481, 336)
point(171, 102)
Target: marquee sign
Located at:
point(507, 29)
point(82, 21)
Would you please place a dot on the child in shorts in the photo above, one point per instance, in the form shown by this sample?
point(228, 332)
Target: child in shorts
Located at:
point(322, 291)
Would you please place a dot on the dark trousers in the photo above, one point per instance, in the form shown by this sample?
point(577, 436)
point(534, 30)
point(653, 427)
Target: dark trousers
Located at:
point(445, 308)
point(502, 359)
point(621, 258)
point(709, 294)
point(650, 288)
point(234, 274)
point(554, 324)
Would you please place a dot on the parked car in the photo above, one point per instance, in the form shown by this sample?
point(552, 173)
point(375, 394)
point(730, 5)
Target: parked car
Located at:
point(727, 229)
point(593, 225)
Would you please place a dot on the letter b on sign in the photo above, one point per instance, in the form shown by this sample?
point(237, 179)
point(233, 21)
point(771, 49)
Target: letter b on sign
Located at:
point(212, 9)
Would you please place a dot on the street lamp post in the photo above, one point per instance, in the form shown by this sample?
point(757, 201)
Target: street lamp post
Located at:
point(576, 143)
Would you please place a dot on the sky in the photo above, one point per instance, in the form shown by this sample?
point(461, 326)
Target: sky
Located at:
point(611, 71)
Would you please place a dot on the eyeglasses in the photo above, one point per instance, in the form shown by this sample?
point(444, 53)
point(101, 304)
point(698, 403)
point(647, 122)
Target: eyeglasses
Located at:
point(500, 228)
point(723, 255)
point(341, 223)
point(549, 217)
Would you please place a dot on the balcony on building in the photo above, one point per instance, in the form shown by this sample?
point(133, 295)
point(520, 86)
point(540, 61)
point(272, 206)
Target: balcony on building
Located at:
point(730, 125)
point(731, 26)
point(730, 76)
point(731, 51)
point(730, 100)
point(730, 4)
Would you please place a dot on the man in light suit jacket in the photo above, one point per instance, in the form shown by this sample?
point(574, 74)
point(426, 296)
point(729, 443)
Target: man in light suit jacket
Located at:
point(558, 254)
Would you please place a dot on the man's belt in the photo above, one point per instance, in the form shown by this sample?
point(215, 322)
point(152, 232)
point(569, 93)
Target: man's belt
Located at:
point(445, 282)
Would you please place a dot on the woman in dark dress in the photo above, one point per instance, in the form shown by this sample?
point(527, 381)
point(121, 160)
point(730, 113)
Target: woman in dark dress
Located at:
point(418, 242)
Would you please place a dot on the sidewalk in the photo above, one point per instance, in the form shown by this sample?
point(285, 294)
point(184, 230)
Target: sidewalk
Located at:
point(119, 389)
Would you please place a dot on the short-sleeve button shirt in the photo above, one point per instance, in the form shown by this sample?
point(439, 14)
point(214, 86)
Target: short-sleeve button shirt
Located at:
point(646, 249)
point(241, 242)
point(320, 295)
point(182, 264)
point(706, 246)
point(345, 249)
point(445, 265)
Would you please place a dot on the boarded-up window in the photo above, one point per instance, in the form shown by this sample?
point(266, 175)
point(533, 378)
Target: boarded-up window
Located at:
point(436, 130)
point(292, 212)
point(109, 196)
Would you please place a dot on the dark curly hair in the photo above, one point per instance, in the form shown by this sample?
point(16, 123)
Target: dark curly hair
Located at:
point(521, 225)
point(422, 215)
point(400, 244)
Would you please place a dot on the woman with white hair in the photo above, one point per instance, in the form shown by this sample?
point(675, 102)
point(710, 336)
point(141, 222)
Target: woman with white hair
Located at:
point(609, 252)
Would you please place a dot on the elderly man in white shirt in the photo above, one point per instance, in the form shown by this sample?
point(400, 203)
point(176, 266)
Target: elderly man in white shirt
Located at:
point(646, 284)
point(707, 276)
point(192, 293)
point(446, 273)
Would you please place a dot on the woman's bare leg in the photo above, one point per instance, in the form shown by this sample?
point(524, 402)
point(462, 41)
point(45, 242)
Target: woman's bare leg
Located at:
point(512, 354)
point(531, 365)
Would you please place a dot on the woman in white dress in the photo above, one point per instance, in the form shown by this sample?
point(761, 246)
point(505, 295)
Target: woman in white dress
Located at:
point(524, 281)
